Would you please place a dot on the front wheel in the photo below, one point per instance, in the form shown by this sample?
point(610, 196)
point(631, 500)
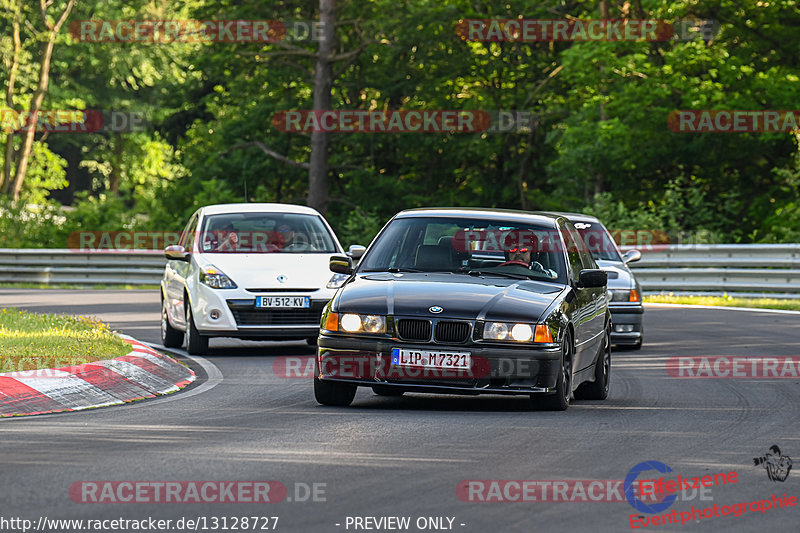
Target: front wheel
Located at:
point(559, 401)
point(334, 393)
point(170, 337)
point(196, 344)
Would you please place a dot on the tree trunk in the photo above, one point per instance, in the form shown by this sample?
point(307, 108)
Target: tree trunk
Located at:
point(323, 83)
point(5, 178)
point(38, 98)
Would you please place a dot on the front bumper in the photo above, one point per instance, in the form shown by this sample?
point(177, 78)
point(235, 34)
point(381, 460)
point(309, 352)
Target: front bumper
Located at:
point(238, 316)
point(495, 369)
point(627, 324)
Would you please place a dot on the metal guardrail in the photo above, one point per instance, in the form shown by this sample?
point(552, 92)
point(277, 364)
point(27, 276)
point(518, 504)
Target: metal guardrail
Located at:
point(80, 268)
point(762, 270)
point(751, 269)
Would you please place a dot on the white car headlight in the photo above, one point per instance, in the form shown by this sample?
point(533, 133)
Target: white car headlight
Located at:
point(215, 278)
point(336, 281)
point(505, 331)
point(495, 331)
point(353, 323)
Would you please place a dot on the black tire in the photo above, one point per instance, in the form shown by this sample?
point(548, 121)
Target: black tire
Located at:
point(598, 389)
point(196, 344)
point(382, 390)
point(559, 401)
point(170, 337)
point(334, 393)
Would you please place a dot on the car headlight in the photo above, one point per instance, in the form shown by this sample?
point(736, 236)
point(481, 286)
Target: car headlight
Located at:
point(618, 295)
point(336, 281)
point(353, 323)
point(215, 278)
point(511, 331)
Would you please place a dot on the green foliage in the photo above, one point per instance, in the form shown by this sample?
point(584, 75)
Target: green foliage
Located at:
point(601, 143)
point(31, 226)
point(359, 228)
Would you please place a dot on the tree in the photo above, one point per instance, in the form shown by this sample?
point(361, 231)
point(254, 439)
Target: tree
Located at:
point(10, 153)
point(44, 80)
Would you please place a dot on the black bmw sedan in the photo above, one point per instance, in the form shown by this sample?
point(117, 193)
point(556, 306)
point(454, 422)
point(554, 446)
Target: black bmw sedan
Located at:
point(468, 301)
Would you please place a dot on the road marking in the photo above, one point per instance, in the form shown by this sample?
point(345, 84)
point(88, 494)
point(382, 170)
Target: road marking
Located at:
point(752, 309)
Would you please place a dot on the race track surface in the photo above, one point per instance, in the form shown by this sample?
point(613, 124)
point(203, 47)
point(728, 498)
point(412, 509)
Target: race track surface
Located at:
point(407, 456)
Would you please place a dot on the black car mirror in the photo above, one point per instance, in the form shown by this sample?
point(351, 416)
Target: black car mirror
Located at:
point(341, 264)
point(592, 278)
point(176, 252)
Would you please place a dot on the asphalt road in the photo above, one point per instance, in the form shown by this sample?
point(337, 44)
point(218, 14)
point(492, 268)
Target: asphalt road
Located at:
point(406, 456)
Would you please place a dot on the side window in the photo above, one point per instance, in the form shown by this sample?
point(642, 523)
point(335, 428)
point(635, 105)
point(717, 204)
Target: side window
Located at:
point(187, 239)
point(586, 255)
point(573, 255)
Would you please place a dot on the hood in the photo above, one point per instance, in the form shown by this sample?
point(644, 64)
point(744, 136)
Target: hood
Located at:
point(461, 296)
point(261, 271)
point(619, 275)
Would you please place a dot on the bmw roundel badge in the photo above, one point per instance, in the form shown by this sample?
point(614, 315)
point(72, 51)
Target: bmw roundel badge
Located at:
point(435, 309)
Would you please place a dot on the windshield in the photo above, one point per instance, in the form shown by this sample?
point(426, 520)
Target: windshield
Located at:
point(265, 233)
point(468, 246)
point(598, 241)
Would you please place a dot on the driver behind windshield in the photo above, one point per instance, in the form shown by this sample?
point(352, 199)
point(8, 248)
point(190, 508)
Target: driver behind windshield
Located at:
point(517, 253)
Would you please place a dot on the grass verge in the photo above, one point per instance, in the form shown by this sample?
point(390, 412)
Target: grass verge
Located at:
point(30, 341)
point(725, 301)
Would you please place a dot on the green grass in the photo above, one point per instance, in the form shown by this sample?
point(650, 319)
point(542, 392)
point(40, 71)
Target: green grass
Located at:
point(99, 286)
point(30, 341)
point(726, 301)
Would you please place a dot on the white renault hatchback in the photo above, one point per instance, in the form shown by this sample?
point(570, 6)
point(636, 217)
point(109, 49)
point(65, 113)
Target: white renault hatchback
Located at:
point(249, 271)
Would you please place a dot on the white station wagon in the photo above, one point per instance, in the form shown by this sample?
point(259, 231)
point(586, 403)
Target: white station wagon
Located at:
point(249, 271)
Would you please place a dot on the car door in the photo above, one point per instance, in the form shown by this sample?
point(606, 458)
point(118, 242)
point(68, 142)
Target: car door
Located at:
point(584, 302)
point(599, 301)
point(179, 271)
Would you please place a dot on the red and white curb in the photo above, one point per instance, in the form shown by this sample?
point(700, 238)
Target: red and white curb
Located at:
point(143, 373)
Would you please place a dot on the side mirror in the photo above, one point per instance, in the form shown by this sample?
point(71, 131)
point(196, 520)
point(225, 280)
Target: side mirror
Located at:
point(176, 252)
point(592, 278)
point(356, 251)
point(341, 264)
point(631, 256)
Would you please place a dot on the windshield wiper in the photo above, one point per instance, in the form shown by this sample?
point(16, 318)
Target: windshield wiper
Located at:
point(499, 274)
point(395, 270)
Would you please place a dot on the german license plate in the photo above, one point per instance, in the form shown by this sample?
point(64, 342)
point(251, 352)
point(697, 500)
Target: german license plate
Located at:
point(283, 302)
point(431, 359)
